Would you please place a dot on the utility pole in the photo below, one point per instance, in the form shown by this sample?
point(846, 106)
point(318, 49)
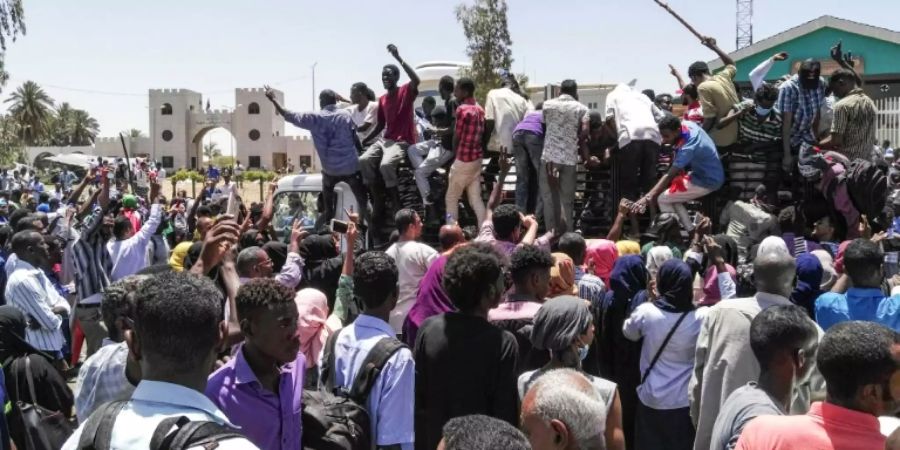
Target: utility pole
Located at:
point(744, 24)
point(314, 85)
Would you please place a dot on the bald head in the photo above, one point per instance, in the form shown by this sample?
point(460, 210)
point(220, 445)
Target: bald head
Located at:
point(450, 236)
point(775, 273)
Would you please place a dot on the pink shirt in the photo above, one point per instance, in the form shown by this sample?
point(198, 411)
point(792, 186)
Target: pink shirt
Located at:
point(825, 427)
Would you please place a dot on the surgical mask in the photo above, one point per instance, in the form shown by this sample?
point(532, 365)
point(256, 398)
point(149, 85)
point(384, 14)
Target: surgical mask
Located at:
point(583, 351)
point(810, 83)
point(762, 111)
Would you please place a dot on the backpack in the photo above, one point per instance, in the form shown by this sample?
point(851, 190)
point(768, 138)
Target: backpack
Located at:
point(868, 187)
point(97, 432)
point(336, 418)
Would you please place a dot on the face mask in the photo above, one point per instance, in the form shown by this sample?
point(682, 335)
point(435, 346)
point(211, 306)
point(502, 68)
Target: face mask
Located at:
point(763, 111)
point(810, 83)
point(583, 351)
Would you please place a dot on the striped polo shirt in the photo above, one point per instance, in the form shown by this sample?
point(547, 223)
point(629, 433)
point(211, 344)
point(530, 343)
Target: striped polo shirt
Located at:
point(755, 131)
point(854, 120)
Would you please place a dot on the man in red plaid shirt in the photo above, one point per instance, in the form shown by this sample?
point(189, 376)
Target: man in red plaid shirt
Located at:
point(465, 174)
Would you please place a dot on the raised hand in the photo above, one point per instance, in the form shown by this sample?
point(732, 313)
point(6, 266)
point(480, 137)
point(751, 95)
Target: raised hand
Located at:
point(297, 231)
point(505, 163)
point(392, 49)
point(708, 41)
point(781, 56)
point(270, 93)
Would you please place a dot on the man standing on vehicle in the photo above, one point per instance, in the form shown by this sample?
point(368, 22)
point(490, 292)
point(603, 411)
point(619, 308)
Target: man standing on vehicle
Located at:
point(395, 118)
point(334, 136)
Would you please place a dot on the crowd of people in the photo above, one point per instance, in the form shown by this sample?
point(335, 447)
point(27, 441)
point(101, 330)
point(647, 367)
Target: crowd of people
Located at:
point(200, 323)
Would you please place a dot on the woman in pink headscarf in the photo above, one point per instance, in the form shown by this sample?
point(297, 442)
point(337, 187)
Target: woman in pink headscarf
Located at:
point(314, 327)
point(600, 257)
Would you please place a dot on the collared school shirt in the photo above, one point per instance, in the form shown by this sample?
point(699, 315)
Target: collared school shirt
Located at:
point(153, 402)
point(29, 290)
point(102, 379)
point(269, 420)
point(869, 304)
point(825, 427)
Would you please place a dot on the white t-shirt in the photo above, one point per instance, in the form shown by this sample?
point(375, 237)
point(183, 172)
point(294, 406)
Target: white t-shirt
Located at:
point(369, 114)
point(506, 109)
point(413, 260)
point(633, 113)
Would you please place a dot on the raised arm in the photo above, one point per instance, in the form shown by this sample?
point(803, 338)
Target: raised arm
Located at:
point(76, 193)
point(615, 232)
point(497, 192)
point(269, 208)
point(270, 94)
point(710, 43)
point(413, 77)
point(675, 73)
point(759, 73)
point(845, 60)
point(232, 282)
point(733, 116)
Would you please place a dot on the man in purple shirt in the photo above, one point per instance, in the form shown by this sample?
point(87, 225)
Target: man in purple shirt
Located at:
point(528, 146)
point(261, 388)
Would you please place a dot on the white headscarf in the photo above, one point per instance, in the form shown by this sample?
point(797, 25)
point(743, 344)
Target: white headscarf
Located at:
point(773, 244)
point(656, 257)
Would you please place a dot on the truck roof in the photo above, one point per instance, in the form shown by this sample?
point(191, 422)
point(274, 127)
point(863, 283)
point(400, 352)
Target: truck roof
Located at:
point(302, 182)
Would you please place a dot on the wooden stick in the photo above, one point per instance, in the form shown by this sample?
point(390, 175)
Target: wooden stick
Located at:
point(128, 165)
point(665, 6)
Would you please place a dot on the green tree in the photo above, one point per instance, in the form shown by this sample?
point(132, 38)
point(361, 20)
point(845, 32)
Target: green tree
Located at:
point(211, 150)
point(12, 24)
point(32, 108)
point(11, 149)
point(61, 125)
point(485, 27)
point(133, 133)
point(84, 128)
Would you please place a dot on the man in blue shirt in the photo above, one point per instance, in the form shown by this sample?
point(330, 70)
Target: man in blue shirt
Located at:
point(334, 135)
point(390, 402)
point(865, 300)
point(694, 149)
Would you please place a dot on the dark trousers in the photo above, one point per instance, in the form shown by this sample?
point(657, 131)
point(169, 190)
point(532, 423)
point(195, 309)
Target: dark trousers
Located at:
point(663, 429)
point(328, 198)
point(527, 150)
point(635, 170)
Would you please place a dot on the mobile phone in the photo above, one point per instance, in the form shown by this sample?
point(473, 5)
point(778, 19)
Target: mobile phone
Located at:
point(338, 226)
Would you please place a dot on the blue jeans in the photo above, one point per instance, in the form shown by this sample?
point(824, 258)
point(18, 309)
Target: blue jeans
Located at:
point(527, 150)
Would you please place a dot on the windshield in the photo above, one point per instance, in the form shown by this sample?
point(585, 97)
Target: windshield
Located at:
point(302, 205)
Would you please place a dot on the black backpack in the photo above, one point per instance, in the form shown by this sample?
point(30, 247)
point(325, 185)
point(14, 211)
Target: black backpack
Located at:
point(97, 432)
point(867, 185)
point(336, 418)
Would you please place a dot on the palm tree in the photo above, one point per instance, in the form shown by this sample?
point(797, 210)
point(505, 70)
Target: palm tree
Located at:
point(61, 126)
point(84, 128)
point(211, 150)
point(32, 108)
point(133, 133)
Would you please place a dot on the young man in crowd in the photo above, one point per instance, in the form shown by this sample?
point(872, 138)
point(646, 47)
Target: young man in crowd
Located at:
point(465, 365)
point(853, 129)
point(529, 269)
point(111, 374)
point(800, 100)
point(395, 118)
point(695, 150)
point(629, 117)
point(390, 402)
point(784, 341)
point(261, 386)
point(334, 136)
point(527, 148)
point(427, 156)
point(128, 250)
point(30, 291)
point(178, 330)
point(363, 109)
point(748, 223)
point(504, 108)
point(567, 124)
point(562, 411)
point(465, 173)
point(724, 361)
point(864, 270)
point(412, 259)
point(860, 363)
point(253, 262)
point(717, 94)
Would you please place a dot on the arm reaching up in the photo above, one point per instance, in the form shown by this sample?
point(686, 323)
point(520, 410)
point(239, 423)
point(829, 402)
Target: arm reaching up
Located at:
point(413, 77)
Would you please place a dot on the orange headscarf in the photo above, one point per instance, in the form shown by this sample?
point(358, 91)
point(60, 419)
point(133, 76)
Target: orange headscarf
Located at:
point(562, 276)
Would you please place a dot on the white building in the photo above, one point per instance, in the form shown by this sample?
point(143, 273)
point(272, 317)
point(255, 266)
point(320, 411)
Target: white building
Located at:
point(178, 123)
point(591, 95)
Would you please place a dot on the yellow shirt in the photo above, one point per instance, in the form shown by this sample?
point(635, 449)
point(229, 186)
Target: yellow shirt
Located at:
point(178, 254)
point(717, 96)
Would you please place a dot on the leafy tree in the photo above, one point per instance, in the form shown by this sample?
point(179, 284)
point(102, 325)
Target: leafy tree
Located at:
point(60, 126)
point(32, 108)
point(12, 24)
point(133, 133)
point(11, 149)
point(84, 128)
point(211, 150)
point(485, 26)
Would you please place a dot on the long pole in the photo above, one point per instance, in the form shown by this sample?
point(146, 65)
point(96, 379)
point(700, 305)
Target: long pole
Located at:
point(665, 6)
point(314, 85)
point(128, 164)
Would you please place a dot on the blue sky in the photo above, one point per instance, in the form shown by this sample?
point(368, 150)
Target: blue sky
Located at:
point(128, 47)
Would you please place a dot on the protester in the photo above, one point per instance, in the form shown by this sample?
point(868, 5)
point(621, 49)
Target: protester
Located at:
point(564, 327)
point(390, 402)
point(486, 383)
point(800, 99)
point(590, 287)
point(427, 156)
point(266, 373)
point(784, 341)
point(478, 431)
point(863, 261)
point(562, 411)
point(724, 337)
point(853, 129)
point(128, 251)
point(504, 108)
point(412, 259)
point(858, 361)
point(527, 149)
point(314, 326)
point(717, 95)
point(465, 173)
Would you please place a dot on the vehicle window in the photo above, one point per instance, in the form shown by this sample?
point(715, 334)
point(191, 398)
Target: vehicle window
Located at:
point(302, 205)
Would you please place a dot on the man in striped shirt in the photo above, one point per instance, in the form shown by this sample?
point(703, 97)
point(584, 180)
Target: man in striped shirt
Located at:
point(758, 120)
point(30, 291)
point(93, 266)
point(853, 129)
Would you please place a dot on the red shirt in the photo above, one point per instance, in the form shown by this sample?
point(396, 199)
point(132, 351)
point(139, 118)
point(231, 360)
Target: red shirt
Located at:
point(694, 113)
point(395, 110)
point(825, 427)
point(469, 129)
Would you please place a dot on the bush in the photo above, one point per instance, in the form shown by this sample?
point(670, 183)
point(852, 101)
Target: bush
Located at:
point(223, 161)
point(259, 175)
point(187, 175)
